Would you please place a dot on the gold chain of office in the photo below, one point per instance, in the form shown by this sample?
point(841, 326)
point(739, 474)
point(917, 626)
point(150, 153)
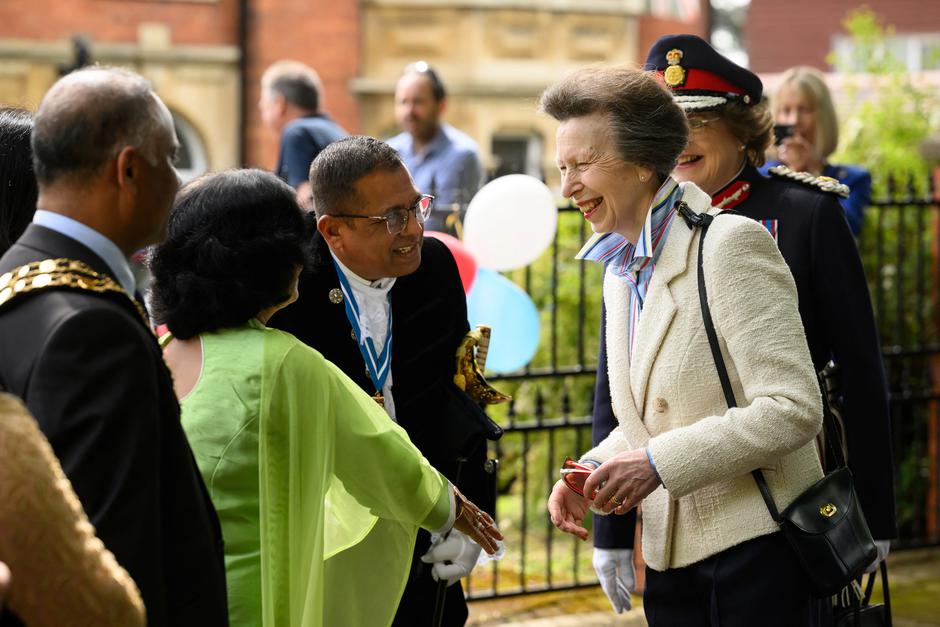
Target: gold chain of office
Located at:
point(60, 273)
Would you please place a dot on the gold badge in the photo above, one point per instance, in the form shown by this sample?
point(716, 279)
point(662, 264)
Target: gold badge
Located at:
point(674, 75)
point(828, 510)
point(379, 399)
point(336, 296)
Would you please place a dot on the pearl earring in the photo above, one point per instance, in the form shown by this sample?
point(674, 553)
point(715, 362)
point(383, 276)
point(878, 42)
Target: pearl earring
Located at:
point(741, 148)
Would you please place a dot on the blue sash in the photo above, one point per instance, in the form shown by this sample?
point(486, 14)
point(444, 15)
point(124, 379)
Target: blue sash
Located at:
point(379, 364)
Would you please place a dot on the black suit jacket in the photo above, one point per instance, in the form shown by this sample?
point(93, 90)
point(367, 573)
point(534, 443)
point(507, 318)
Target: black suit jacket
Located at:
point(429, 313)
point(815, 241)
point(92, 374)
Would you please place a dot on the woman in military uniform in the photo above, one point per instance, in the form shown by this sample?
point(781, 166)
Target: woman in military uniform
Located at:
point(731, 128)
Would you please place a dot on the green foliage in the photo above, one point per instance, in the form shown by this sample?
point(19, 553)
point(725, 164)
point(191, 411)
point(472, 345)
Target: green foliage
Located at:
point(887, 118)
point(889, 115)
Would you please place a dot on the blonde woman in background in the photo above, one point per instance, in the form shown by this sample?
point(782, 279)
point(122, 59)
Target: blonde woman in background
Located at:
point(803, 103)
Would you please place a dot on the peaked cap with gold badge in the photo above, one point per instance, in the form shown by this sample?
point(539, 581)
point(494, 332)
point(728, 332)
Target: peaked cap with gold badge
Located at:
point(700, 78)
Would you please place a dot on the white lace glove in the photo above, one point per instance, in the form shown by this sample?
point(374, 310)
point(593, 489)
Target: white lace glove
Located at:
point(453, 557)
point(614, 568)
point(883, 547)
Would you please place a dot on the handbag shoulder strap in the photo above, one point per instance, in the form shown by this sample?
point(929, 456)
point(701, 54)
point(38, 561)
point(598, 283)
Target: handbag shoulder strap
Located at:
point(703, 221)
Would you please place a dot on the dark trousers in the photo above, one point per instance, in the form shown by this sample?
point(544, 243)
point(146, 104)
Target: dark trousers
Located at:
point(758, 582)
point(417, 603)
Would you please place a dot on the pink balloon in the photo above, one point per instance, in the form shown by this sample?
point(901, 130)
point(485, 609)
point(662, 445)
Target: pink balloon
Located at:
point(466, 264)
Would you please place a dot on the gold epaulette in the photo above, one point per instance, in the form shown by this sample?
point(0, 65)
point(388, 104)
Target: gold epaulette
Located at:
point(63, 274)
point(821, 183)
point(471, 359)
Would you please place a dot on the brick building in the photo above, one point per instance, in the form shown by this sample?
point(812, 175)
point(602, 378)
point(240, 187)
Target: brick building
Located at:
point(206, 57)
point(779, 35)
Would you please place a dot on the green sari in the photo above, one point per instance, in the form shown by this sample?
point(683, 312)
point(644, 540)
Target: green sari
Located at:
point(318, 492)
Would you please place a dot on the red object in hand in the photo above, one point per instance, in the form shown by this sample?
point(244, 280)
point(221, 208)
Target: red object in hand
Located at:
point(574, 475)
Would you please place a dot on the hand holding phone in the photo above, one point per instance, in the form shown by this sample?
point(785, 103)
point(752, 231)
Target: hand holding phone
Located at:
point(781, 132)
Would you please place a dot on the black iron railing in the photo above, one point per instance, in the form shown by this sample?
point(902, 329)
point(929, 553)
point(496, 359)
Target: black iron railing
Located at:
point(550, 416)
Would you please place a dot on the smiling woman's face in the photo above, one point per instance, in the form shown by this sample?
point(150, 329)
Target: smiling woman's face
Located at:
point(607, 189)
point(713, 156)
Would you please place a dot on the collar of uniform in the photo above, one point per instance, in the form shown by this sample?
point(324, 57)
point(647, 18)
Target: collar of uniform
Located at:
point(93, 240)
point(734, 192)
point(379, 286)
point(620, 255)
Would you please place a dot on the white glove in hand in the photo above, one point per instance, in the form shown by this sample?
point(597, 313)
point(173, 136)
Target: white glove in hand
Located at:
point(453, 557)
point(614, 568)
point(883, 547)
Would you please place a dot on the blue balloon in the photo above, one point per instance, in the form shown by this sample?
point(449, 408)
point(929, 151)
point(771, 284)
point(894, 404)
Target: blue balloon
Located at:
point(499, 303)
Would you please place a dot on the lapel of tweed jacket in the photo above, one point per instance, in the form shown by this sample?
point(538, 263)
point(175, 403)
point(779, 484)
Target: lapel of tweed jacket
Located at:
point(616, 293)
point(660, 309)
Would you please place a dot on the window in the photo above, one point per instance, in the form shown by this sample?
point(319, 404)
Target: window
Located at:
point(915, 52)
point(192, 159)
point(518, 153)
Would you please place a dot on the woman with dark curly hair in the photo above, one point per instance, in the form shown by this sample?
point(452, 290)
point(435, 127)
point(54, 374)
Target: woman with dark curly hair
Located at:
point(18, 190)
point(319, 494)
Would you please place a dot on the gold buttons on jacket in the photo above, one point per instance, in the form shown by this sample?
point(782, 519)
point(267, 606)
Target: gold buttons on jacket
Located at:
point(660, 405)
point(336, 296)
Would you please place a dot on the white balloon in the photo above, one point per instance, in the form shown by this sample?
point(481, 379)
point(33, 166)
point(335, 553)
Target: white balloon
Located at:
point(510, 222)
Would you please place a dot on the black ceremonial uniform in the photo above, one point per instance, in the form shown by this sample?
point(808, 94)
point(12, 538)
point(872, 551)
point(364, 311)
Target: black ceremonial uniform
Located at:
point(92, 374)
point(811, 231)
point(429, 310)
point(815, 241)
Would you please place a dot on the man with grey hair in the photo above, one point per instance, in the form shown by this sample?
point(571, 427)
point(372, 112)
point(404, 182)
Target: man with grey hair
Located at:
point(76, 346)
point(291, 103)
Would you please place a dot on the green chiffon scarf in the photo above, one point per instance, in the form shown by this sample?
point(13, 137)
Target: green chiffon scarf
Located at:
point(341, 489)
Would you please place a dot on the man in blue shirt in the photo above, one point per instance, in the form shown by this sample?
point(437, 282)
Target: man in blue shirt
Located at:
point(443, 161)
point(290, 104)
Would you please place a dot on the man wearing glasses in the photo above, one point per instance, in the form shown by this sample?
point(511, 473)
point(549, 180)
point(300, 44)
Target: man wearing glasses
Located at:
point(387, 307)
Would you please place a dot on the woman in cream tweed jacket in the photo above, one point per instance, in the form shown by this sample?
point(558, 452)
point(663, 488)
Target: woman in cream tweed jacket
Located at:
point(714, 553)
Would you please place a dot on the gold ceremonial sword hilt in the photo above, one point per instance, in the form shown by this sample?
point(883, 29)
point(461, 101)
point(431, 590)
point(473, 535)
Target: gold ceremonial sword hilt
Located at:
point(471, 360)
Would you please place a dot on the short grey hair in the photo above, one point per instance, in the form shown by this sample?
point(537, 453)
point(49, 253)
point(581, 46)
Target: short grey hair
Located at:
point(90, 115)
point(299, 84)
point(335, 171)
point(649, 129)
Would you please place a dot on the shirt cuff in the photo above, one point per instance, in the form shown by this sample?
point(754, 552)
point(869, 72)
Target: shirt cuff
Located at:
point(451, 517)
point(649, 456)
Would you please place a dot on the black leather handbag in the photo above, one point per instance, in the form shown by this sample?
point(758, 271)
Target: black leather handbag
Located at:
point(825, 524)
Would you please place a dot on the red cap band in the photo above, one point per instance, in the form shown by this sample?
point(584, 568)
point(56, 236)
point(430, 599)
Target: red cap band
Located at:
point(696, 79)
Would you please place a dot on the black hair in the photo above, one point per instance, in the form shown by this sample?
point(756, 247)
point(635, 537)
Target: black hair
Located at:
point(18, 190)
point(437, 85)
point(335, 171)
point(233, 242)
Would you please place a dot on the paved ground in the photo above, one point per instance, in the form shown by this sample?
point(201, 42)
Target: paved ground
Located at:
point(914, 583)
